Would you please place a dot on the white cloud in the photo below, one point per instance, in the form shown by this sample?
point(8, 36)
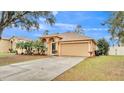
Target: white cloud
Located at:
point(42, 26)
point(95, 29)
point(65, 26)
point(55, 13)
point(72, 26)
point(57, 26)
point(37, 35)
point(68, 27)
point(42, 19)
point(108, 37)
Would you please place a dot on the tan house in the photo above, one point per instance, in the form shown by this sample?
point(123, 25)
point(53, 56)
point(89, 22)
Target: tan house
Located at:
point(69, 44)
point(14, 40)
point(6, 44)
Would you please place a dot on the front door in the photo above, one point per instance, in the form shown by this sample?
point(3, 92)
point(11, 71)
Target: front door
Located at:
point(53, 48)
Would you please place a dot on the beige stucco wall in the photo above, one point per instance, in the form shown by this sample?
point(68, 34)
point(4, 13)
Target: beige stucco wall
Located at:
point(93, 47)
point(5, 45)
point(48, 43)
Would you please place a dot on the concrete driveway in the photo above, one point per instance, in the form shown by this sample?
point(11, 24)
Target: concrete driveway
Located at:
point(41, 69)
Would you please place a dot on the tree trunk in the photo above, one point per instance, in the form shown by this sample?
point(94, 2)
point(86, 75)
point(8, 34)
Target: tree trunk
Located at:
point(119, 42)
point(22, 52)
point(1, 30)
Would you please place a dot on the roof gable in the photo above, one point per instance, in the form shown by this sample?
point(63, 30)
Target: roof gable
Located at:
point(73, 36)
point(69, 36)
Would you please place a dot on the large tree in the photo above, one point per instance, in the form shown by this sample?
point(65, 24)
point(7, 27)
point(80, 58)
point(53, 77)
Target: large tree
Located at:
point(116, 26)
point(46, 32)
point(25, 19)
point(79, 30)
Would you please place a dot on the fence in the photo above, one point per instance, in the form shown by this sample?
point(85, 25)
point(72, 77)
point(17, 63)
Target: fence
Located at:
point(116, 50)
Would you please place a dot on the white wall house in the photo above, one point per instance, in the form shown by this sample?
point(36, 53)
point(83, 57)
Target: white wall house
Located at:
point(116, 50)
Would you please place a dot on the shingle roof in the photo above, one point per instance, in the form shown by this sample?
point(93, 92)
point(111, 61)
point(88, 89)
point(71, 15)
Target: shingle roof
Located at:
point(68, 36)
point(52, 35)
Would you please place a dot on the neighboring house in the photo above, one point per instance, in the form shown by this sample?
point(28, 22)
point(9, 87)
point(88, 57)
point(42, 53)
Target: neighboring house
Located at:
point(69, 44)
point(14, 40)
point(6, 44)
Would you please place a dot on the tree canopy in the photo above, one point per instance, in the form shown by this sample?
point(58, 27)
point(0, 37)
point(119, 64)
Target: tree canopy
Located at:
point(116, 26)
point(46, 32)
point(29, 46)
point(24, 19)
point(79, 29)
point(103, 46)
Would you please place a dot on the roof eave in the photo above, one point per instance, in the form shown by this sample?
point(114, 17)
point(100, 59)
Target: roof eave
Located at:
point(50, 37)
point(76, 40)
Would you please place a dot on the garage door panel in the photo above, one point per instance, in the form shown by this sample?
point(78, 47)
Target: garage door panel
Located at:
point(75, 49)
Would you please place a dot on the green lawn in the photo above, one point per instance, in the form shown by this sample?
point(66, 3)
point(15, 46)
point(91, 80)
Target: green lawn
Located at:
point(96, 68)
point(2, 54)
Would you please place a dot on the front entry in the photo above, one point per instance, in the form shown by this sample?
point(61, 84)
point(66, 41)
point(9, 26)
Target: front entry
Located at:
point(53, 49)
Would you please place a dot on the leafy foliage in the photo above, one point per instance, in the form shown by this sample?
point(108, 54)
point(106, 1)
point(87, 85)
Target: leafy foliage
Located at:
point(29, 46)
point(46, 32)
point(39, 46)
point(116, 26)
point(24, 19)
point(21, 45)
point(103, 46)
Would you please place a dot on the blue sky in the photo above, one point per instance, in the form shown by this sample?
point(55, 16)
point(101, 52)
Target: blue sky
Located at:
point(66, 21)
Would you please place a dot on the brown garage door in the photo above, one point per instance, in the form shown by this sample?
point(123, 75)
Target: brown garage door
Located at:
point(75, 49)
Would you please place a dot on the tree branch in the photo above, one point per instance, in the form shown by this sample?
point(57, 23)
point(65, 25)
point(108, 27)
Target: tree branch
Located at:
point(10, 19)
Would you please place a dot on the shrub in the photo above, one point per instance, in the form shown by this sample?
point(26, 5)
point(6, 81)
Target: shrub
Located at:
point(103, 46)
